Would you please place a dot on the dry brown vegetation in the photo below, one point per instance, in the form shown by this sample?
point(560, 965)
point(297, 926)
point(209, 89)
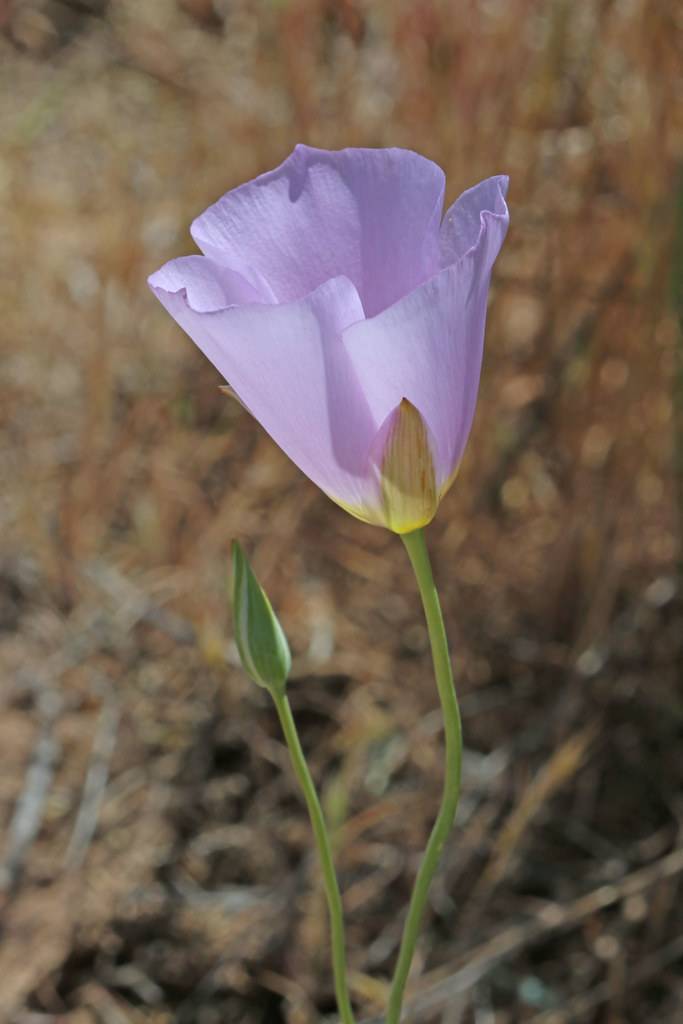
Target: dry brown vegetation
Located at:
point(156, 861)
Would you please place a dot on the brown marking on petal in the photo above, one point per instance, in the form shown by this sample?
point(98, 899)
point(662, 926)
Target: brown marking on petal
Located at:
point(409, 494)
point(449, 481)
point(231, 393)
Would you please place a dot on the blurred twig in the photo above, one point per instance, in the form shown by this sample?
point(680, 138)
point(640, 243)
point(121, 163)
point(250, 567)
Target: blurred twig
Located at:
point(677, 302)
point(537, 412)
point(28, 813)
point(649, 967)
point(552, 918)
point(562, 765)
point(135, 605)
point(95, 783)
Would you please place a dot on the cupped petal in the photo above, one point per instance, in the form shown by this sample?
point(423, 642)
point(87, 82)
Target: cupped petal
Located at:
point(207, 285)
point(477, 218)
point(371, 215)
point(428, 348)
point(289, 367)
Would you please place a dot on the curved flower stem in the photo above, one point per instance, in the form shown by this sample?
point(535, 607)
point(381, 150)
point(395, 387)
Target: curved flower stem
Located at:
point(419, 558)
point(322, 840)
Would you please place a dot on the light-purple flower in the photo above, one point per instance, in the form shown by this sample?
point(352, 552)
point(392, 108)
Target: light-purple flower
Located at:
point(349, 318)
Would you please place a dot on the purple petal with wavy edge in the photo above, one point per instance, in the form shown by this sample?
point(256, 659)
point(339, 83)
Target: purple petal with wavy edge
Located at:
point(288, 365)
point(371, 215)
point(428, 346)
point(207, 285)
point(465, 219)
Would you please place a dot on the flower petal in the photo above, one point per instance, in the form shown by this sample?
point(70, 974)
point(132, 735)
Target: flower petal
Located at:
point(402, 455)
point(428, 348)
point(371, 215)
point(481, 209)
point(207, 285)
point(289, 367)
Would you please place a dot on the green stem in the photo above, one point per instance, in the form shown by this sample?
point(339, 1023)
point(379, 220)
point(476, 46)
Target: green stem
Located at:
point(419, 559)
point(322, 840)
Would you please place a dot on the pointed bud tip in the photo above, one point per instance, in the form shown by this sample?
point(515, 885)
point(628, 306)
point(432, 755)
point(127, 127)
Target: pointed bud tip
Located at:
point(261, 642)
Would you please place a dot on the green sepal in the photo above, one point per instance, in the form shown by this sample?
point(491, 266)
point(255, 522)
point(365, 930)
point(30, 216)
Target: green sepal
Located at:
point(260, 639)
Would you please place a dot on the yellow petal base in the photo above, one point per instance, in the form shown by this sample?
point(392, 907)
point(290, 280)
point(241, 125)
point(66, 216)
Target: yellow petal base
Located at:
point(409, 496)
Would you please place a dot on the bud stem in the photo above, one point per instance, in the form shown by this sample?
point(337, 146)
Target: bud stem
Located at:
point(322, 840)
point(419, 559)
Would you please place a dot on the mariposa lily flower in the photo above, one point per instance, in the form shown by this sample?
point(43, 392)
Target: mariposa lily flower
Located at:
point(348, 318)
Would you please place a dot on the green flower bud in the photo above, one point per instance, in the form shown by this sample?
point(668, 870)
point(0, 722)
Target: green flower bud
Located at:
point(261, 642)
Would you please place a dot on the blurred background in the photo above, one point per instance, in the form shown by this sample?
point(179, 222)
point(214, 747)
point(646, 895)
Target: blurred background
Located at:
point(155, 857)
